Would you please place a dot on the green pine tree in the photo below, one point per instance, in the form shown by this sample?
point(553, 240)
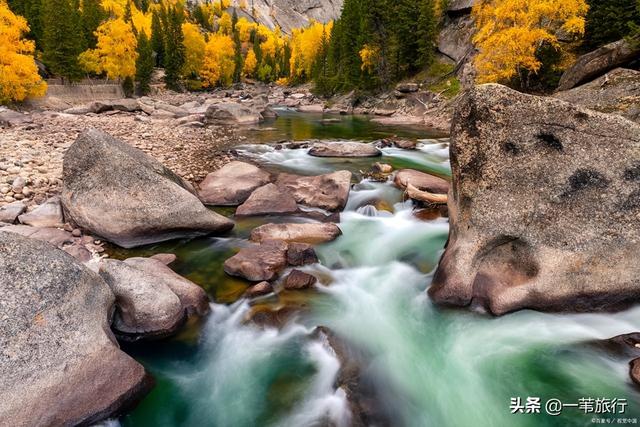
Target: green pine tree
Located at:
point(92, 17)
point(608, 21)
point(173, 46)
point(427, 31)
point(144, 63)
point(62, 38)
point(157, 39)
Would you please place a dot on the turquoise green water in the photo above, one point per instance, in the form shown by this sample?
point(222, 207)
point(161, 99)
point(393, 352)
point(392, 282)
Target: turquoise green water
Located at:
point(427, 366)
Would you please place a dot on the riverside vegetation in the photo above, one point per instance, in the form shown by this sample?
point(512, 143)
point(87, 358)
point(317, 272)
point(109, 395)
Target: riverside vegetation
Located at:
point(268, 216)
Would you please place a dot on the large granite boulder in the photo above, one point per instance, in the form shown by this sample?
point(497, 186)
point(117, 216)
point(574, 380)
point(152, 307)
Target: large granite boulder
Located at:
point(598, 62)
point(118, 192)
point(232, 184)
point(232, 113)
point(258, 262)
point(59, 363)
point(616, 92)
point(329, 191)
point(543, 206)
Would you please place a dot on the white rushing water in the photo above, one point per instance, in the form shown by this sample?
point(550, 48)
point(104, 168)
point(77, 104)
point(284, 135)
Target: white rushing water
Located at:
point(429, 366)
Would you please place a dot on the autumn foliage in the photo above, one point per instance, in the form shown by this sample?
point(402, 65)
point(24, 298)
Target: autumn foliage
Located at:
point(512, 32)
point(19, 77)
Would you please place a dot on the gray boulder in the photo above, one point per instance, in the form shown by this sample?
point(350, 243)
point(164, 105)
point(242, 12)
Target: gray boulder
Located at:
point(344, 149)
point(232, 184)
point(48, 214)
point(616, 92)
point(9, 213)
point(59, 363)
point(302, 233)
point(10, 118)
point(543, 206)
point(329, 191)
point(146, 307)
point(268, 200)
point(118, 192)
point(232, 113)
point(598, 62)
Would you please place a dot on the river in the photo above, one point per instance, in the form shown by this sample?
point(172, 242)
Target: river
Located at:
point(420, 364)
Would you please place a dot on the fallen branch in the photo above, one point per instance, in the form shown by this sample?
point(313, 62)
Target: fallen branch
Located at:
point(425, 196)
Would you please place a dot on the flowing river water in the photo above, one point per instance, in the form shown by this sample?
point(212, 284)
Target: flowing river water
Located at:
point(421, 365)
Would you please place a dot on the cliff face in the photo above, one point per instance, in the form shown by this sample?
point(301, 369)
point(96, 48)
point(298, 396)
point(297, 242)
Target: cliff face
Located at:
point(289, 14)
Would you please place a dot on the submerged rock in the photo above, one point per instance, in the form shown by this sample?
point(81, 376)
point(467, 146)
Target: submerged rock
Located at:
point(297, 280)
point(59, 363)
point(543, 208)
point(258, 290)
point(329, 191)
point(420, 180)
point(258, 263)
point(232, 184)
point(344, 149)
point(304, 233)
point(268, 200)
point(118, 192)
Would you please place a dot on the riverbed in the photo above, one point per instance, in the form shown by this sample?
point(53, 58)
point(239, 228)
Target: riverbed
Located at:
point(418, 364)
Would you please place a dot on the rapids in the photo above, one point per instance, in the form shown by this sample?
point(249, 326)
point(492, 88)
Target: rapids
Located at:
point(424, 365)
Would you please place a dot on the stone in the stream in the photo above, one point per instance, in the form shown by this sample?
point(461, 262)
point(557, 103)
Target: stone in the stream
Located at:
point(268, 200)
point(304, 233)
point(193, 298)
point(9, 213)
point(258, 290)
point(297, 280)
point(299, 254)
point(118, 192)
point(166, 259)
point(344, 149)
point(420, 180)
point(232, 184)
point(405, 144)
point(59, 362)
point(257, 263)
point(544, 206)
point(48, 214)
point(329, 191)
point(146, 306)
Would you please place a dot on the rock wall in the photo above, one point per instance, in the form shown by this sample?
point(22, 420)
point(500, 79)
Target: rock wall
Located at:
point(543, 207)
point(289, 14)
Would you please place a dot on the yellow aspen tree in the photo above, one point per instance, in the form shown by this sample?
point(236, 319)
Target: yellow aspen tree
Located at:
point(115, 54)
point(219, 64)
point(510, 32)
point(194, 46)
point(244, 28)
point(225, 24)
point(250, 64)
point(19, 77)
point(141, 21)
point(305, 47)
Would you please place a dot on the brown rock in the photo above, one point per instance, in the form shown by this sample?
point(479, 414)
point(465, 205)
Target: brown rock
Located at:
point(268, 200)
point(304, 233)
point(257, 263)
point(420, 180)
point(299, 280)
point(300, 254)
point(166, 259)
point(9, 213)
point(329, 191)
point(261, 289)
point(232, 184)
point(48, 214)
